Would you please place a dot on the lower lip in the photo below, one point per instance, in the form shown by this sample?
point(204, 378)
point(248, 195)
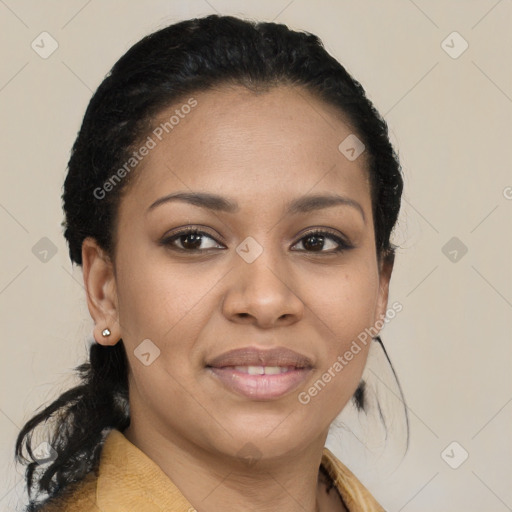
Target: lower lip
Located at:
point(261, 387)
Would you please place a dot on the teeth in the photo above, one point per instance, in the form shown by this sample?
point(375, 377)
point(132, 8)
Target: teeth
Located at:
point(274, 370)
point(262, 370)
point(255, 370)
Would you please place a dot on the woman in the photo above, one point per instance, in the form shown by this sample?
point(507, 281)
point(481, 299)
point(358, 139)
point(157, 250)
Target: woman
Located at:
point(230, 198)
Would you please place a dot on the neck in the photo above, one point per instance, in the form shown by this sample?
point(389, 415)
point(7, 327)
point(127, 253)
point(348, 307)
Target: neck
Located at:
point(213, 482)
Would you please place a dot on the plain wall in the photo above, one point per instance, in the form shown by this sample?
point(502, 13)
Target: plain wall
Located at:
point(450, 119)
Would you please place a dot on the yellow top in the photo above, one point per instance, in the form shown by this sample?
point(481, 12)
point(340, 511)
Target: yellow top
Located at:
point(129, 481)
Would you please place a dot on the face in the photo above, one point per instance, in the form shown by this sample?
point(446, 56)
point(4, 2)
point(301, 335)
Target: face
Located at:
point(245, 314)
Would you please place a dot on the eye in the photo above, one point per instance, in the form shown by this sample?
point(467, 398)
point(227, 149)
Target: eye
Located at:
point(315, 241)
point(189, 240)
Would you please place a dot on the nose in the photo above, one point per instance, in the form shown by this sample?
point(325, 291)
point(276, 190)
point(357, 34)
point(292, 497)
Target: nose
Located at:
point(262, 293)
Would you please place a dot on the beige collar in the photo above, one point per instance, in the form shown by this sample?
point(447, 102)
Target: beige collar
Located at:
point(129, 480)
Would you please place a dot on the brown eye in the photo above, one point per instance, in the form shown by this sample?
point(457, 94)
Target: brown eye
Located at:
point(313, 242)
point(189, 240)
point(317, 241)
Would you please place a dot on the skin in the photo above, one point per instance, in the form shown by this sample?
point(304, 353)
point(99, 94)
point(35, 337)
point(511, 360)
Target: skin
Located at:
point(262, 151)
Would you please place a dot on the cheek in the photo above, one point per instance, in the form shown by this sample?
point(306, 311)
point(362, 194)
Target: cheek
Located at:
point(347, 303)
point(157, 301)
point(347, 309)
point(344, 354)
point(162, 305)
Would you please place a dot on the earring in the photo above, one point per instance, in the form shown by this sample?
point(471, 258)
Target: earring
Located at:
point(106, 332)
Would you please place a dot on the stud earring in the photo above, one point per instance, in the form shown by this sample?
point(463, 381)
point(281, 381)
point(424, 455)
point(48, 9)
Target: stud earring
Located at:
point(106, 332)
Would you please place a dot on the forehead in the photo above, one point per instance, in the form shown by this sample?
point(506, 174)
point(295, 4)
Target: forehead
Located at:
point(241, 143)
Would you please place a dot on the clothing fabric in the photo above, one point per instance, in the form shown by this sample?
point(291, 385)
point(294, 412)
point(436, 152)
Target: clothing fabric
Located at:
point(129, 481)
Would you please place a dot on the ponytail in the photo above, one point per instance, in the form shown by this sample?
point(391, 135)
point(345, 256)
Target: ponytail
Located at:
point(81, 417)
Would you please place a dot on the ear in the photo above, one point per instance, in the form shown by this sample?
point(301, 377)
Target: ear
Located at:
point(100, 286)
point(385, 271)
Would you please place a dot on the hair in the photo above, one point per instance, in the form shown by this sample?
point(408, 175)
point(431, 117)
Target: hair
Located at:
point(161, 69)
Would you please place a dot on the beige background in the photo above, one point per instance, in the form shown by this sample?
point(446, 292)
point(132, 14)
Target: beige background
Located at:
point(450, 119)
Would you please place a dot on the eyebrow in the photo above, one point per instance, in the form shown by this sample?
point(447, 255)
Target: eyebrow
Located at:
point(218, 203)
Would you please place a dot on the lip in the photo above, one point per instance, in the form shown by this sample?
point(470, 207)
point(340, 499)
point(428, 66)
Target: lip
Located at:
point(252, 356)
point(226, 369)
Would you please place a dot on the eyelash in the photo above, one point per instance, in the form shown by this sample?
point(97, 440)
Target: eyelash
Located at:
point(343, 245)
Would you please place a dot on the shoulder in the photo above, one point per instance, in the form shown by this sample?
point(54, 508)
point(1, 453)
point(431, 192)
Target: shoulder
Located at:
point(77, 497)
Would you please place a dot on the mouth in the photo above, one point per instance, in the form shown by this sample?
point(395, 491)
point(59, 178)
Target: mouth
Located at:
point(260, 374)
